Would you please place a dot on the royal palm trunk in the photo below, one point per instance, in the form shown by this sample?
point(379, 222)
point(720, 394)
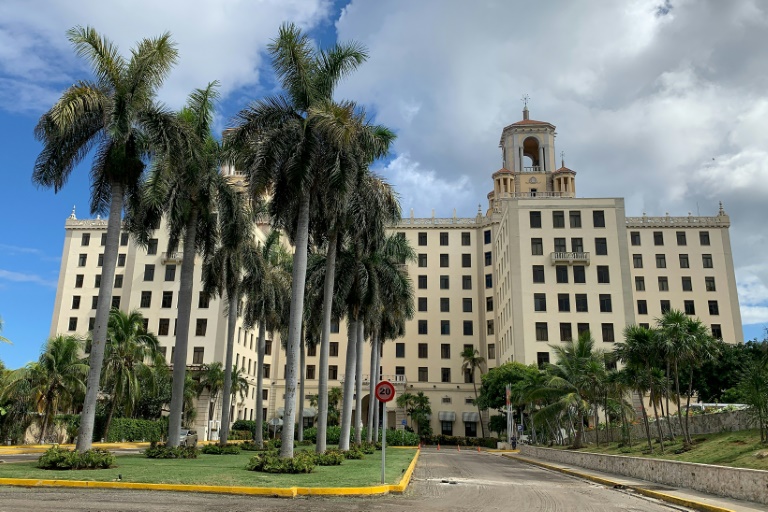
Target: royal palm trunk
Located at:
point(359, 382)
point(225, 408)
point(259, 434)
point(96, 359)
point(325, 341)
point(372, 387)
point(302, 380)
point(349, 385)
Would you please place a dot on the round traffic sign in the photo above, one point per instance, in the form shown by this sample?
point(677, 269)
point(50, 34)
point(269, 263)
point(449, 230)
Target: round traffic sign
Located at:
point(385, 391)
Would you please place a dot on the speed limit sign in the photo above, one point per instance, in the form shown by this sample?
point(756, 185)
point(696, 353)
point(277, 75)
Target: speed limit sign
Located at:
point(385, 391)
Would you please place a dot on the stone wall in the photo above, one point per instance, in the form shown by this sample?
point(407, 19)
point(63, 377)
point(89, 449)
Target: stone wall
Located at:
point(743, 484)
point(698, 424)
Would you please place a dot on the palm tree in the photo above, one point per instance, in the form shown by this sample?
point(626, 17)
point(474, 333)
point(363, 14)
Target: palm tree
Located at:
point(116, 114)
point(212, 381)
point(471, 361)
point(703, 349)
point(3, 340)
point(185, 186)
point(129, 348)
point(281, 151)
point(58, 375)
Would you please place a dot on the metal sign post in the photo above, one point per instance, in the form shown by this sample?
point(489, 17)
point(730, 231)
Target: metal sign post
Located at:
point(384, 392)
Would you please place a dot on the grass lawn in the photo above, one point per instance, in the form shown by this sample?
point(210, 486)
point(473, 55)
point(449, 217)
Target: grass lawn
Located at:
point(227, 470)
point(736, 449)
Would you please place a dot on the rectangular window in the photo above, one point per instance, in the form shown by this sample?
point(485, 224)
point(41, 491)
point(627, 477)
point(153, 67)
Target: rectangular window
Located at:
point(94, 302)
point(581, 303)
point(333, 372)
point(535, 219)
point(665, 306)
point(542, 333)
point(706, 260)
point(162, 327)
point(311, 350)
point(684, 261)
point(333, 349)
point(690, 308)
point(445, 351)
point(399, 370)
point(713, 307)
point(100, 260)
point(445, 375)
point(422, 282)
point(661, 261)
point(445, 327)
point(201, 325)
point(443, 260)
point(566, 333)
point(203, 300)
point(640, 284)
point(538, 273)
point(79, 280)
point(123, 239)
point(663, 284)
point(489, 303)
point(103, 239)
point(97, 281)
point(634, 237)
point(118, 280)
point(488, 280)
point(465, 239)
point(542, 359)
point(575, 219)
point(489, 327)
point(170, 272)
point(709, 284)
point(582, 328)
point(658, 238)
point(466, 260)
point(146, 299)
point(470, 429)
point(704, 237)
point(422, 238)
point(563, 302)
point(558, 219)
point(422, 326)
point(717, 331)
point(152, 246)
point(577, 245)
point(335, 326)
point(579, 274)
point(399, 350)
point(560, 245)
point(488, 259)
point(121, 260)
point(445, 305)
point(540, 302)
point(637, 261)
point(443, 238)
point(76, 302)
point(601, 246)
point(422, 301)
point(608, 333)
point(267, 370)
point(72, 323)
point(561, 273)
point(85, 240)
point(149, 272)
point(167, 300)
point(197, 355)
point(605, 303)
point(422, 260)
point(642, 307)
point(537, 247)
point(468, 328)
point(487, 236)
point(687, 284)
point(466, 305)
point(681, 238)
point(444, 283)
point(82, 260)
point(466, 282)
point(491, 351)
point(603, 276)
point(423, 374)
point(598, 218)
point(310, 372)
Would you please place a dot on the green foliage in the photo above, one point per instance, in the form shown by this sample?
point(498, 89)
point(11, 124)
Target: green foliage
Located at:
point(368, 448)
point(331, 457)
point(402, 438)
point(498, 423)
point(59, 458)
point(238, 435)
point(178, 452)
point(137, 430)
point(354, 453)
point(249, 425)
point(715, 379)
point(487, 442)
point(270, 462)
point(418, 408)
point(250, 446)
point(305, 442)
point(492, 394)
point(215, 449)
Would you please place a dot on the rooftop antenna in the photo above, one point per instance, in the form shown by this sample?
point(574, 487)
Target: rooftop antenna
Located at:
point(525, 99)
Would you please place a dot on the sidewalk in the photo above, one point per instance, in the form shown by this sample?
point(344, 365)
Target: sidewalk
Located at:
point(683, 497)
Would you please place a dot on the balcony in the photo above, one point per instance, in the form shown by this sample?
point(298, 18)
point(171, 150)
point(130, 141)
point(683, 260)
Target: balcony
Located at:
point(173, 258)
point(535, 168)
point(537, 194)
point(570, 258)
point(394, 379)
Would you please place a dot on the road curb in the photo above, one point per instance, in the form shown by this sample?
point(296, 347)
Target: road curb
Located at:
point(696, 505)
point(279, 492)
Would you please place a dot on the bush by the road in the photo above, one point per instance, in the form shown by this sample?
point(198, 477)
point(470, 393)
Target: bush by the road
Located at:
point(59, 458)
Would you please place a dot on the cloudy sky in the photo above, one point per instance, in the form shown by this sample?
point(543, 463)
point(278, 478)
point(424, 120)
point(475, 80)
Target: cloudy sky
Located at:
point(662, 102)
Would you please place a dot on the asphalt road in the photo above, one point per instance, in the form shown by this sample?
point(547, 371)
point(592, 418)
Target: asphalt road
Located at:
point(443, 481)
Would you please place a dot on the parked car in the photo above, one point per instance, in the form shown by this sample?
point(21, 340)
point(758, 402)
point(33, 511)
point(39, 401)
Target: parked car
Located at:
point(188, 437)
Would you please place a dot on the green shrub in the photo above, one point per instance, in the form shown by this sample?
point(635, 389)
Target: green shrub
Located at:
point(251, 446)
point(250, 426)
point(270, 462)
point(177, 452)
point(368, 448)
point(354, 453)
point(305, 442)
point(487, 442)
point(58, 458)
point(238, 435)
point(331, 457)
point(215, 449)
point(402, 438)
point(127, 429)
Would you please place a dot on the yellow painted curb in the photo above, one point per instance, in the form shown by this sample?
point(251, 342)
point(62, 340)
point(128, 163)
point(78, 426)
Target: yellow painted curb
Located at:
point(696, 505)
point(281, 492)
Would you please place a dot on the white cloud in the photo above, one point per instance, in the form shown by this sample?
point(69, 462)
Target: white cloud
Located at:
point(20, 277)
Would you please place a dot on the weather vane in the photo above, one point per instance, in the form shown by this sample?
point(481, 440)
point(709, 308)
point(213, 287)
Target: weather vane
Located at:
point(525, 99)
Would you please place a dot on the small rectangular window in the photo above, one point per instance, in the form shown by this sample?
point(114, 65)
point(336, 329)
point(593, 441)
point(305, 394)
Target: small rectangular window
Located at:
point(94, 302)
point(443, 238)
point(563, 302)
point(661, 261)
point(201, 325)
point(489, 327)
point(542, 359)
point(605, 303)
point(537, 247)
point(85, 240)
point(103, 239)
point(575, 219)
point(310, 372)
point(400, 350)
point(642, 307)
point(540, 302)
point(443, 260)
point(197, 355)
point(72, 323)
point(469, 329)
point(566, 333)
point(491, 351)
point(603, 275)
point(560, 245)
point(466, 260)
point(579, 274)
point(488, 280)
point(577, 244)
point(608, 336)
point(82, 260)
point(690, 309)
point(422, 326)
point(466, 282)
point(266, 370)
point(423, 374)
point(333, 372)
point(335, 326)
point(422, 304)
point(665, 306)
point(684, 261)
point(121, 260)
point(100, 260)
point(445, 375)
point(713, 307)
point(170, 272)
point(640, 284)
point(658, 238)
point(601, 246)
point(445, 351)
point(466, 305)
point(663, 284)
point(581, 303)
point(487, 236)
point(558, 219)
point(163, 326)
point(422, 260)
point(681, 240)
point(598, 218)
point(79, 280)
point(167, 300)
point(311, 350)
point(542, 333)
point(422, 282)
point(488, 259)
point(687, 284)
point(444, 283)
point(535, 218)
point(152, 246)
point(717, 331)
point(637, 261)
point(146, 299)
point(489, 303)
point(709, 284)
point(704, 237)
point(445, 305)
point(76, 302)
point(582, 328)
point(561, 274)
point(97, 281)
point(333, 349)
point(538, 273)
point(149, 272)
point(634, 237)
point(465, 238)
point(422, 238)
point(706, 260)
point(123, 239)
point(203, 300)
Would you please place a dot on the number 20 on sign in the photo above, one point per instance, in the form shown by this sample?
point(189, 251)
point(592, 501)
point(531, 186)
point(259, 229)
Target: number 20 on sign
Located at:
point(385, 391)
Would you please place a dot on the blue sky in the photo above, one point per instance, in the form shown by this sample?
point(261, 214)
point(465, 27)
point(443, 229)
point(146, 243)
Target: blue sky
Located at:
point(665, 107)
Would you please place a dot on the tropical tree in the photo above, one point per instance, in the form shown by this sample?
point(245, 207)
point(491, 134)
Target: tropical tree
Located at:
point(3, 340)
point(472, 361)
point(416, 406)
point(754, 391)
point(279, 146)
point(116, 114)
point(53, 380)
point(212, 381)
point(130, 353)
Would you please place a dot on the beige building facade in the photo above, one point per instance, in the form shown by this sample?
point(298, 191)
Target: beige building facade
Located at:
point(537, 268)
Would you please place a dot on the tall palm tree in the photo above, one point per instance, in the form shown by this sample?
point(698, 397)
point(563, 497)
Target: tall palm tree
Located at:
point(472, 361)
point(702, 349)
point(678, 346)
point(54, 379)
point(116, 114)
point(212, 381)
point(128, 357)
point(280, 150)
point(184, 187)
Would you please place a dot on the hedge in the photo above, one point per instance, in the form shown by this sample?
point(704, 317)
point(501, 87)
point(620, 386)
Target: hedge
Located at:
point(59, 458)
point(176, 452)
point(137, 430)
point(487, 442)
point(394, 437)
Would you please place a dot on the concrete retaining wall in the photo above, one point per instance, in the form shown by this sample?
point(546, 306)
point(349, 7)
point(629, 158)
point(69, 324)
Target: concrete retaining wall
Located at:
point(743, 484)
